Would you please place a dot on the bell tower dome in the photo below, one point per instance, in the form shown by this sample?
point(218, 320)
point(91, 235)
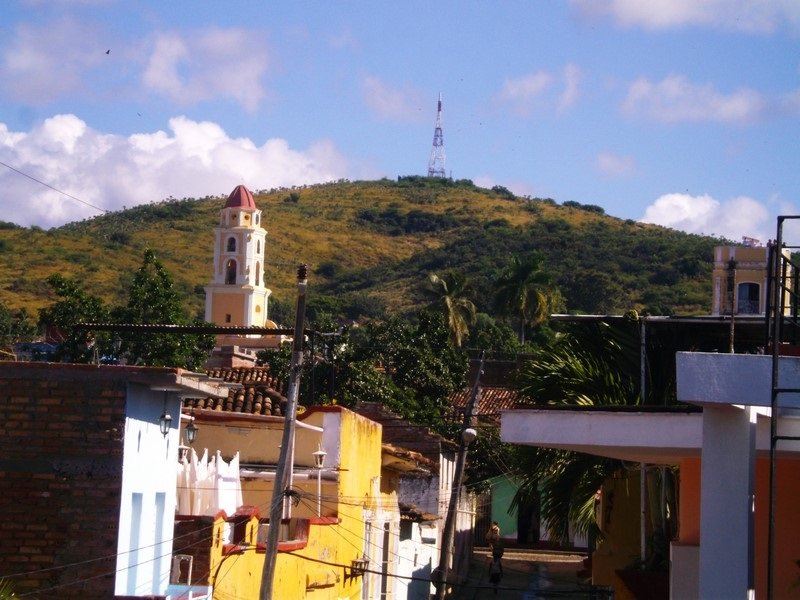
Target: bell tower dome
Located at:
point(237, 295)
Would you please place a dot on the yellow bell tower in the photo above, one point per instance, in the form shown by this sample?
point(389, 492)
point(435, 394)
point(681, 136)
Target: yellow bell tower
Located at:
point(237, 296)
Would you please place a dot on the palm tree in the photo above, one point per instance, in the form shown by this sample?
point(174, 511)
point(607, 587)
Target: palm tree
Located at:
point(592, 364)
point(448, 294)
point(6, 589)
point(524, 291)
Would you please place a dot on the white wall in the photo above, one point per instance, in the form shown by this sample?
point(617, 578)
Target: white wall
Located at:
point(419, 555)
point(726, 498)
point(147, 511)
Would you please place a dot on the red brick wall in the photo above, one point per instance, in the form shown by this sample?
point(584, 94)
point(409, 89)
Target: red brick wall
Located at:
point(193, 536)
point(61, 432)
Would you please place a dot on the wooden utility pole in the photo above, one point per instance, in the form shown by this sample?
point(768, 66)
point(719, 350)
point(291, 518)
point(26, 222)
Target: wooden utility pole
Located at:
point(284, 468)
point(467, 435)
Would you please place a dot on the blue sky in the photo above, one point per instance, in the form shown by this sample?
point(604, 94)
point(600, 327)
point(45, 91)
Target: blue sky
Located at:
point(679, 112)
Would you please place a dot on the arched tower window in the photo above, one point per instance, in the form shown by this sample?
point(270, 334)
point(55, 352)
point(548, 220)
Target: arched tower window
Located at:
point(231, 244)
point(230, 272)
point(258, 246)
point(747, 297)
point(258, 273)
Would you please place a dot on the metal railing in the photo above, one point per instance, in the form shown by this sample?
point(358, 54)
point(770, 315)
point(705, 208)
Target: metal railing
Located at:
point(782, 333)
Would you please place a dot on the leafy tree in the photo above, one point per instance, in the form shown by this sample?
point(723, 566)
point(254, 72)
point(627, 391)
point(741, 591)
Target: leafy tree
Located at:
point(448, 294)
point(524, 290)
point(419, 358)
point(15, 326)
point(74, 306)
point(493, 336)
point(153, 300)
point(406, 363)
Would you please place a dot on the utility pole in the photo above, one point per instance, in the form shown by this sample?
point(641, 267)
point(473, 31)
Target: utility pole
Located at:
point(284, 468)
point(468, 434)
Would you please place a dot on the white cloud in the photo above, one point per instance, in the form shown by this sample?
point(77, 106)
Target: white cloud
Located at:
point(614, 165)
point(676, 99)
point(572, 79)
point(36, 73)
point(732, 218)
point(205, 64)
point(192, 159)
point(522, 93)
point(391, 103)
point(762, 16)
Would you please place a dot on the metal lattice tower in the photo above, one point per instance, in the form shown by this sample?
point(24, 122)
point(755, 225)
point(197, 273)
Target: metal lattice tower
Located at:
point(436, 163)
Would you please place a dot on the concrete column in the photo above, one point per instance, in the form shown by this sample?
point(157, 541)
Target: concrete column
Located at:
point(728, 463)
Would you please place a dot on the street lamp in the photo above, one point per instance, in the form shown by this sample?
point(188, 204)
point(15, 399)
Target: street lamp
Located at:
point(469, 435)
point(319, 461)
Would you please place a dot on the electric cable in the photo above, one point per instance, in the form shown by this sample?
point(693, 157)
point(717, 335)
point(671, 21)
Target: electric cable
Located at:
point(47, 185)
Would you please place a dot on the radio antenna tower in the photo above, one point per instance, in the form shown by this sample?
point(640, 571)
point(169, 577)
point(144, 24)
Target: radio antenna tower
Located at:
point(436, 163)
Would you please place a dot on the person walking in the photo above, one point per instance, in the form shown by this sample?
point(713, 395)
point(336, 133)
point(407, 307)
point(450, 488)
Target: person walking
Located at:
point(493, 535)
point(495, 572)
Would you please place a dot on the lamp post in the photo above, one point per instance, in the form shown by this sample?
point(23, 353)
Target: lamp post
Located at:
point(319, 461)
point(441, 575)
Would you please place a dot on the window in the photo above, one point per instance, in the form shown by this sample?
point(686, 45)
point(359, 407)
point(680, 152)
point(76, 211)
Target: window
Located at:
point(258, 273)
point(227, 318)
point(230, 272)
point(747, 299)
point(258, 246)
point(231, 244)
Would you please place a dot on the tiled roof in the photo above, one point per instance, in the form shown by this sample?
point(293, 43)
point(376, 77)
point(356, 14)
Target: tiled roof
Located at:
point(409, 512)
point(257, 395)
point(492, 401)
point(421, 461)
point(240, 198)
point(400, 432)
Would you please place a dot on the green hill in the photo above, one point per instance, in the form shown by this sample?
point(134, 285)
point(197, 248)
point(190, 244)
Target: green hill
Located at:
point(370, 245)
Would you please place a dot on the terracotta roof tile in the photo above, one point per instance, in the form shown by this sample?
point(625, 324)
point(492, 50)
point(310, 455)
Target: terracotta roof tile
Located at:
point(257, 395)
point(240, 198)
point(492, 401)
point(400, 432)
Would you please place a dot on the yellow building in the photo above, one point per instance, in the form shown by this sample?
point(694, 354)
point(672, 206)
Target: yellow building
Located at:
point(739, 279)
point(343, 523)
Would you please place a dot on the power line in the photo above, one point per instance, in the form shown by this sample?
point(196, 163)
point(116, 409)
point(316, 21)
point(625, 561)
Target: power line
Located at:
point(47, 185)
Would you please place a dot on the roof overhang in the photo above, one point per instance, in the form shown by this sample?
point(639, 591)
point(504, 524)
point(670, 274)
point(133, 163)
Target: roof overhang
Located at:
point(651, 437)
point(714, 379)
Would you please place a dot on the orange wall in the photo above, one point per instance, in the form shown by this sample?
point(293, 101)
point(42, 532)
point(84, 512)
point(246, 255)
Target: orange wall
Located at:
point(787, 531)
point(689, 502)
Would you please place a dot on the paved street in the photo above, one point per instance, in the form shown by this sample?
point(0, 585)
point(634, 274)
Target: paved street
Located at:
point(527, 575)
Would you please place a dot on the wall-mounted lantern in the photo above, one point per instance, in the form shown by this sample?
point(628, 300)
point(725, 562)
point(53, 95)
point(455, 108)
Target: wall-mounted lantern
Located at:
point(165, 420)
point(191, 432)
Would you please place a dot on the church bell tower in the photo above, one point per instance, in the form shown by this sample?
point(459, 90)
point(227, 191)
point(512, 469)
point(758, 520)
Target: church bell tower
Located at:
point(237, 296)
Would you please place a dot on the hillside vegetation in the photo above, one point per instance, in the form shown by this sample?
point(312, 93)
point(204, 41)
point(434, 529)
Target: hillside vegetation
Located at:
point(371, 244)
